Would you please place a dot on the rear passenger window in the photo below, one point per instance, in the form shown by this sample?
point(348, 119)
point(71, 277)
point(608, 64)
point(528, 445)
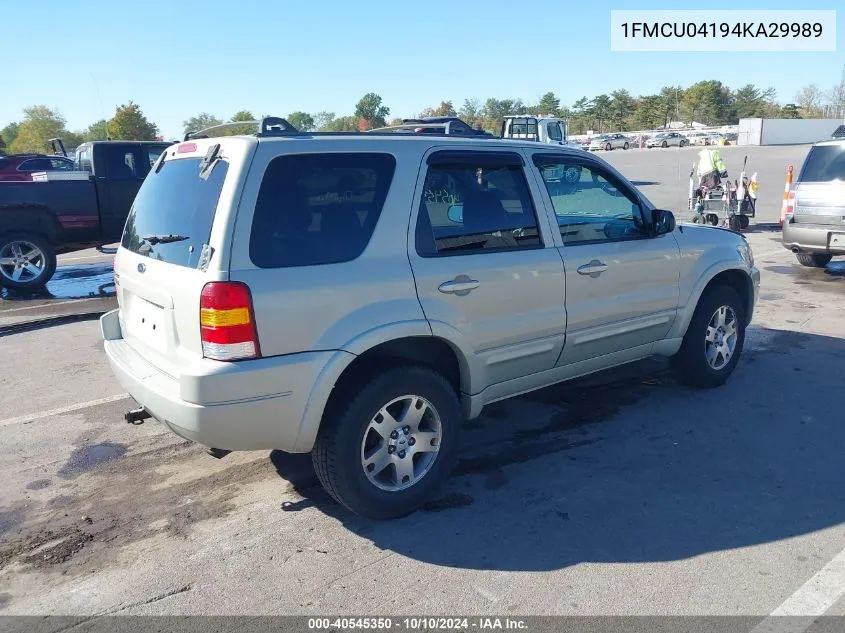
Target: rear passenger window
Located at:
point(123, 163)
point(475, 204)
point(824, 163)
point(318, 208)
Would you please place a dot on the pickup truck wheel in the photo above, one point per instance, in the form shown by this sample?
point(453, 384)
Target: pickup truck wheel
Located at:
point(26, 261)
point(813, 260)
point(386, 450)
point(714, 339)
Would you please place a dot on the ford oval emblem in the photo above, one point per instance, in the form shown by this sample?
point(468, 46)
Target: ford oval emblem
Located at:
point(141, 267)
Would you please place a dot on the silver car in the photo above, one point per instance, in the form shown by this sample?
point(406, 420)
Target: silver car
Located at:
point(608, 142)
point(667, 139)
point(814, 224)
point(360, 296)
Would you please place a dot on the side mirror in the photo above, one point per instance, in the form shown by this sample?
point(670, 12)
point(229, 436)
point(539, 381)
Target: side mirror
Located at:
point(456, 213)
point(662, 222)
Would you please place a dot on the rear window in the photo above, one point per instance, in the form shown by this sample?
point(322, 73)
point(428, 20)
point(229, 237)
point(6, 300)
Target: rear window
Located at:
point(318, 208)
point(824, 163)
point(173, 212)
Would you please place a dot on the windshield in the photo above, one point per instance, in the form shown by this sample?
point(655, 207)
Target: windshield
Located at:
point(824, 163)
point(172, 215)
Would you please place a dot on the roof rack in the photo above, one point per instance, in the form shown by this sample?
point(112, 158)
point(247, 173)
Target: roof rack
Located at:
point(268, 126)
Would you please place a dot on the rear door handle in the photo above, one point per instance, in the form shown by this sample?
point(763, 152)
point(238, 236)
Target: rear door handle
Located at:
point(460, 285)
point(593, 269)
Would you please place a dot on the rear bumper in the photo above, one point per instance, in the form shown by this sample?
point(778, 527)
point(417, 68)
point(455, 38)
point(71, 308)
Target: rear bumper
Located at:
point(812, 238)
point(246, 405)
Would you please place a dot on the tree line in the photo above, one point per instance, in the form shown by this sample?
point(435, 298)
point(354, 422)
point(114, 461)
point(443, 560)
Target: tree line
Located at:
point(709, 102)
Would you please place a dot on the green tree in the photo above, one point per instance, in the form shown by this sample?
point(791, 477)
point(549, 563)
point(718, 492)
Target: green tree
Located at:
point(9, 133)
point(302, 121)
point(322, 119)
point(621, 109)
point(242, 115)
point(342, 124)
point(371, 109)
point(601, 111)
point(98, 131)
point(706, 102)
point(446, 108)
point(471, 112)
point(2, 146)
point(580, 113)
point(129, 123)
point(548, 104)
point(670, 97)
point(649, 113)
point(39, 125)
point(200, 122)
point(790, 111)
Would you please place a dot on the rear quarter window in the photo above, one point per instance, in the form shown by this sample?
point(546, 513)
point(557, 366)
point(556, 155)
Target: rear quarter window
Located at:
point(824, 163)
point(315, 209)
point(173, 213)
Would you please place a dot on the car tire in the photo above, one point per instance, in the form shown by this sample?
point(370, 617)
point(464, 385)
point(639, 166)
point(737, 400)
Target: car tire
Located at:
point(35, 257)
point(682, 143)
point(711, 347)
point(664, 144)
point(608, 147)
point(340, 454)
point(625, 146)
point(813, 260)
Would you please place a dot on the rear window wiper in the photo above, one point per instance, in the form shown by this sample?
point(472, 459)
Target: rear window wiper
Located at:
point(152, 240)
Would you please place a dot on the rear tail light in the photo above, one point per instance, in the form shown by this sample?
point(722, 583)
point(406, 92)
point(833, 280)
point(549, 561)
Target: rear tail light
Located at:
point(227, 322)
point(790, 205)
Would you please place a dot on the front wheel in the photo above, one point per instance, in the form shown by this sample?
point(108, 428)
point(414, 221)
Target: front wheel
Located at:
point(26, 261)
point(385, 450)
point(625, 146)
point(608, 147)
point(664, 144)
point(682, 144)
point(713, 342)
point(813, 260)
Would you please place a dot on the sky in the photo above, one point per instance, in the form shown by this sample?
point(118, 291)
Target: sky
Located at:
point(177, 59)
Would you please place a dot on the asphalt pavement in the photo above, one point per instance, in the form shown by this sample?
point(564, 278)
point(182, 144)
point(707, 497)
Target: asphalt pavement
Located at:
point(624, 493)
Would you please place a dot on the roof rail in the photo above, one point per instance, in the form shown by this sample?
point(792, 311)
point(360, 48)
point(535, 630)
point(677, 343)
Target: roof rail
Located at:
point(268, 126)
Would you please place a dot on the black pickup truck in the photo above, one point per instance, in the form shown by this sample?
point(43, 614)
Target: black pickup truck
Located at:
point(39, 220)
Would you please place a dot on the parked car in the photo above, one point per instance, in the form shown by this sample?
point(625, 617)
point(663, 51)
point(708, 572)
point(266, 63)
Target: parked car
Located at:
point(87, 207)
point(814, 225)
point(610, 141)
point(20, 167)
point(285, 311)
point(667, 139)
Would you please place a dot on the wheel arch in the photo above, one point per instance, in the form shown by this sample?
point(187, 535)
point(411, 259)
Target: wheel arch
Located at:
point(377, 351)
point(35, 221)
point(725, 274)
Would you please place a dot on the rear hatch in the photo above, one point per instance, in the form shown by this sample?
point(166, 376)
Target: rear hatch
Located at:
point(174, 243)
point(819, 196)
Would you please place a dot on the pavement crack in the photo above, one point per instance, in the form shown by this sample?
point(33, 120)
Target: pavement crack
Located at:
point(162, 596)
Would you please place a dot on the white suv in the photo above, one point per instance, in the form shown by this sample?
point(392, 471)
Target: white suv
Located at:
point(358, 295)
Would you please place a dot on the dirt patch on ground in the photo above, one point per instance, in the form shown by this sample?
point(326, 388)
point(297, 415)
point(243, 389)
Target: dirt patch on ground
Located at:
point(125, 499)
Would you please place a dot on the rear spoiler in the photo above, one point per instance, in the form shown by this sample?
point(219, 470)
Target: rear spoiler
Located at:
point(268, 126)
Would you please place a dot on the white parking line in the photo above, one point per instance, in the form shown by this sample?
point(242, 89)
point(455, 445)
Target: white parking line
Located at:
point(811, 600)
point(32, 417)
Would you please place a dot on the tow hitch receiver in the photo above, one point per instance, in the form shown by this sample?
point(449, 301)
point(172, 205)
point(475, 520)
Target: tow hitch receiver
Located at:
point(136, 416)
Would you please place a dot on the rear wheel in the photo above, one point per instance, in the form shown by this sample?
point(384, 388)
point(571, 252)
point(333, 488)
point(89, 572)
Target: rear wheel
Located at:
point(713, 219)
point(813, 260)
point(384, 451)
point(682, 144)
point(26, 261)
point(714, 339)
point(743, 222)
